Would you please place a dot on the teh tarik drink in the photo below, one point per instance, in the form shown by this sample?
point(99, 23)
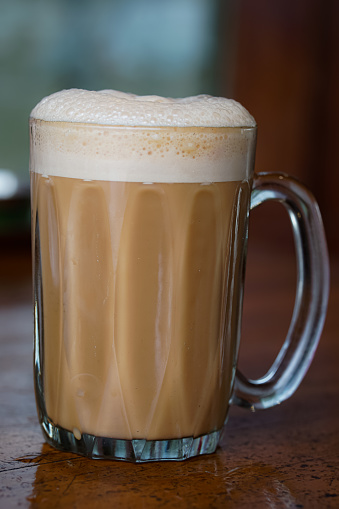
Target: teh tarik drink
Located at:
point(139, 220)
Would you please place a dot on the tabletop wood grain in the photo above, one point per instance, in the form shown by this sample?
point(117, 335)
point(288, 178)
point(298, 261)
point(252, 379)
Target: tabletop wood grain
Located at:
point(285, 457)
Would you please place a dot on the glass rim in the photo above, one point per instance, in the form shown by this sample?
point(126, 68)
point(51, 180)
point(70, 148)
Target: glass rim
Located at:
point(36, 121)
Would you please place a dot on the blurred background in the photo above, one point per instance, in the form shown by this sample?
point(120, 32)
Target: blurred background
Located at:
point(279, 59)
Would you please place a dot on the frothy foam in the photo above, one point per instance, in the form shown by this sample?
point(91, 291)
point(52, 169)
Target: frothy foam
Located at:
point(110, 135)
point(111, 107)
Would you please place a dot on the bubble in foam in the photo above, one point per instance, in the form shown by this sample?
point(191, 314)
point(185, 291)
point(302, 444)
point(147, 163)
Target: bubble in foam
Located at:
point(111, 107)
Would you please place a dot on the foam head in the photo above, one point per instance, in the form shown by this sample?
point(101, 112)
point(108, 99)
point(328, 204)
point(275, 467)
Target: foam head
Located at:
point(110, 135)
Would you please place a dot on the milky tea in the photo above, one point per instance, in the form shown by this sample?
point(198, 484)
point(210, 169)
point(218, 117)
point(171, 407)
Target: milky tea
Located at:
point(139, 220)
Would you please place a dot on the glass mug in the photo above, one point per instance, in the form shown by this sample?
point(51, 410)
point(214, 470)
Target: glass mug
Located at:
point(138, 287)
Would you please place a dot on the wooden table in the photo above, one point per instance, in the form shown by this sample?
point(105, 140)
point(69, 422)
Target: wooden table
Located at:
point(285, 457)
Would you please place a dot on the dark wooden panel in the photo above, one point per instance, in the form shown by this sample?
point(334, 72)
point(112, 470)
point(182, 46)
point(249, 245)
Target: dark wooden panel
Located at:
point(287, 75)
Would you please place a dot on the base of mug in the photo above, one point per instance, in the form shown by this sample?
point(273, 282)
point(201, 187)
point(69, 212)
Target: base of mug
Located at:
point(135, 451)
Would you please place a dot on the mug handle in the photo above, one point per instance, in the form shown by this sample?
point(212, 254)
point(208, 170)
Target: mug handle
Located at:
point(295, 356)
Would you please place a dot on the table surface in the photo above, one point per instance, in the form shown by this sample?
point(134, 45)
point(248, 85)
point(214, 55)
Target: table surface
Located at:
point(283, 457)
